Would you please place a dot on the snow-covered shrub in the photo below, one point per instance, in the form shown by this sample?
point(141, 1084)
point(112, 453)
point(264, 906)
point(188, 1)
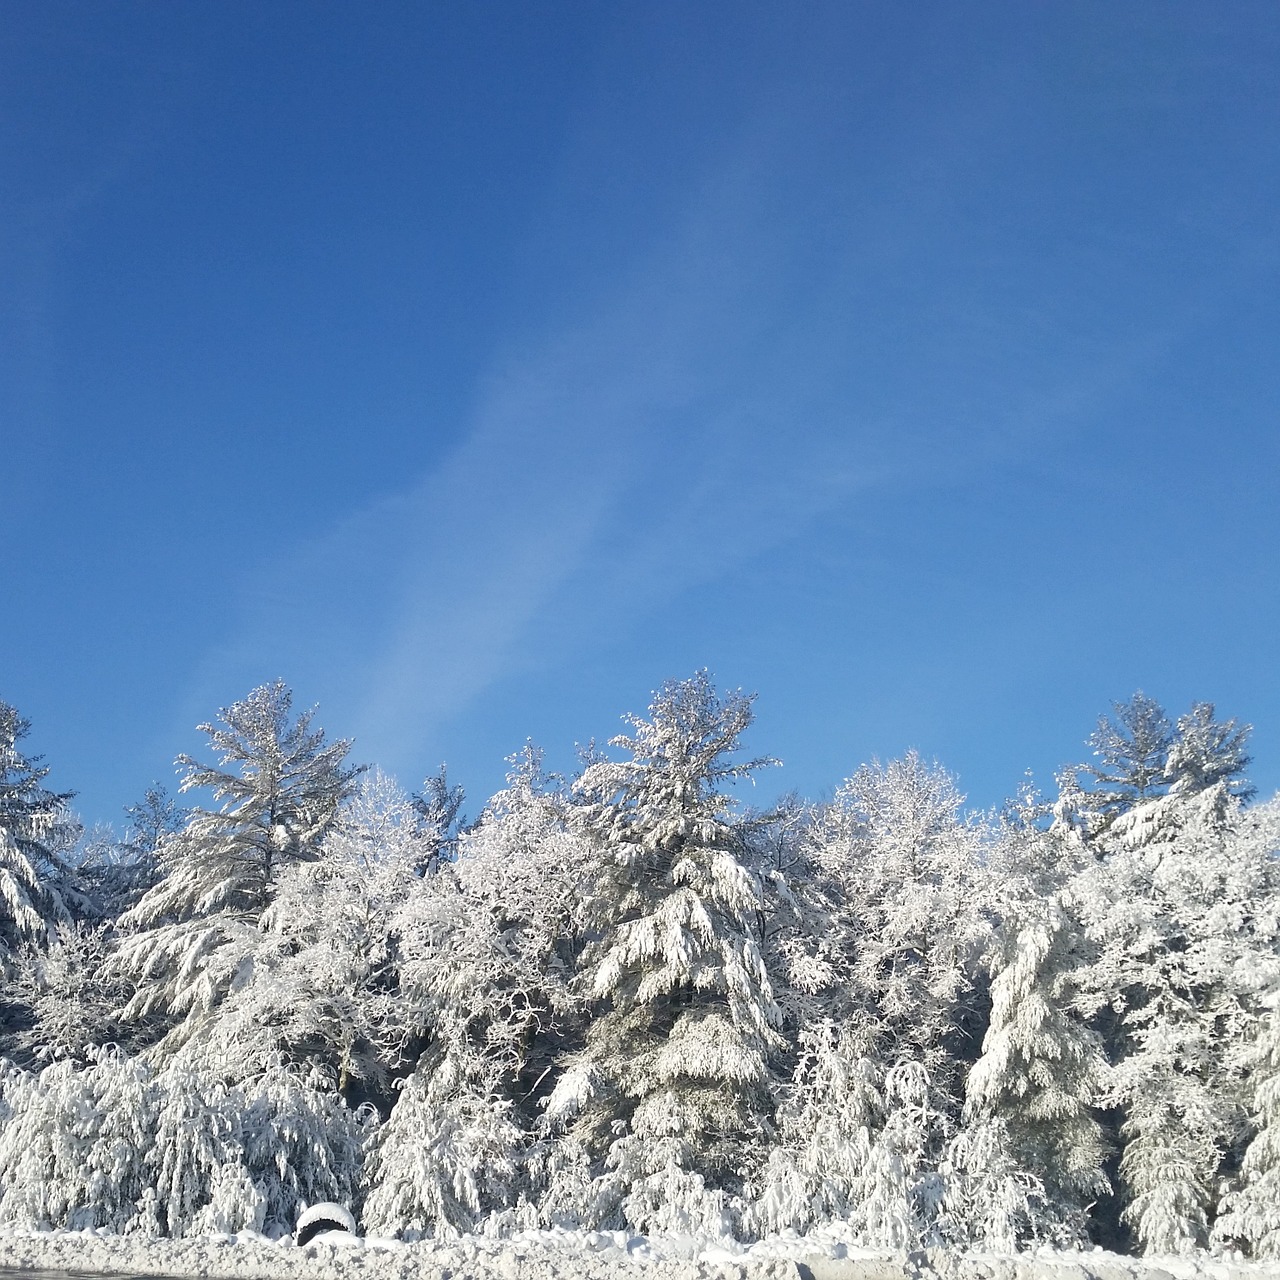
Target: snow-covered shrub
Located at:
point(903, 1189)
point(990, 1200)
point(818, 1169)
point(111, 1144)
point(448, 1155)
point(1165, 1169)
point(248, 1156)
point(74, 1141)
point(194, 1141)
point(1251, 1211)
point(660, 1194)
point(300, 1143)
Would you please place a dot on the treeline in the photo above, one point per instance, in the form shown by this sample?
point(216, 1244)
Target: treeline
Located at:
point(623, 1001)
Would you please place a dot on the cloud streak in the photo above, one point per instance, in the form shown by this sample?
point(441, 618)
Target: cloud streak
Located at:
point(715, 404)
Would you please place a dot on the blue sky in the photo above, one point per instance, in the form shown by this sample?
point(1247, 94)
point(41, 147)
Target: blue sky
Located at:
point(476, 368)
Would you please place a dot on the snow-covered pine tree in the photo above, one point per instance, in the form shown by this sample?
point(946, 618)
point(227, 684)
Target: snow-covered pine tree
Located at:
point(672, 1088)
point(323, 986)
point(34, 827)
point(1172, 907)
point(439, 809)
point(1028, 1160)
point(193, 935)
point(113, 873)
point(23, 904)
point(1131, 748)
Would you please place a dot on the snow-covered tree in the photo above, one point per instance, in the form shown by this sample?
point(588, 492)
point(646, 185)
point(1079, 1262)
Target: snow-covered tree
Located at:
point(322, 986)
point(486, 942)
point(1029, 1158)
point(23, 903)
point(110, 873)
point(70, 994)
point(34, 827)
point(913, 906)
point(672, 1087)
point(193, 935)
point(449, 1154)
point(300, 1144)
point(1251, 1211)
point(820, 1168)
point(1141, 756)
point(899, 919)
point(483, 941)
point(1172, 903)
point(525, 865)
point(439, 808)
point(1131, 747)
point(73, 1141)
point(990, 1199)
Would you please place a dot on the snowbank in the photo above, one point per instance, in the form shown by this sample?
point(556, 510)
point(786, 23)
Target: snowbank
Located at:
point(576, 1255)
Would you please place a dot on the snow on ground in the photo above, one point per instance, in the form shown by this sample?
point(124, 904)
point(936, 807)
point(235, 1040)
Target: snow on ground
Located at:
point(578, 1255)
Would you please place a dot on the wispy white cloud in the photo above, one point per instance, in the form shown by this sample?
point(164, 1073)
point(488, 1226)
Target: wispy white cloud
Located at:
point(579, 453)
point(705, 410)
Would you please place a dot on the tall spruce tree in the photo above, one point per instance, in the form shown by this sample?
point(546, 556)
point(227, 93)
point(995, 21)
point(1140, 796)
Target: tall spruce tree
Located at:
point(672, 1089)
point(193, 935)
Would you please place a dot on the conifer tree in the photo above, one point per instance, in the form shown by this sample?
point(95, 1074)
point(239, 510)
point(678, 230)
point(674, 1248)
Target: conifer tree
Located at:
point(34, 826)
point(193, 935)
point(1170, 903)
point(1031, 1145)
point(672, 1088)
